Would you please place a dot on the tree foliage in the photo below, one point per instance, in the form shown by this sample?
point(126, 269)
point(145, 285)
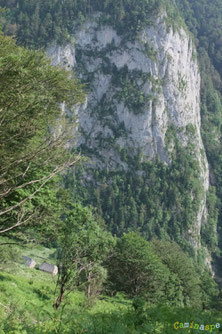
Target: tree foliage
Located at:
point(34, 133)
point(183, 269)
point(204, 19)
point(136, 270)
point(83, 246)
point(38, 22)
point(159, 272)
point(156, 201)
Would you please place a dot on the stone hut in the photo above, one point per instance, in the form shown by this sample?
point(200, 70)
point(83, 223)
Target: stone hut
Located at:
point(29, 262)
point(49, 268)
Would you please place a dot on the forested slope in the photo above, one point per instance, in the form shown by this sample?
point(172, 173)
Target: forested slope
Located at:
point(36, 23)
point(204, 20)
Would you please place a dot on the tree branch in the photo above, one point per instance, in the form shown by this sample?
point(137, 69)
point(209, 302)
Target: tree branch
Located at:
point(56, 171)
point(19, 223)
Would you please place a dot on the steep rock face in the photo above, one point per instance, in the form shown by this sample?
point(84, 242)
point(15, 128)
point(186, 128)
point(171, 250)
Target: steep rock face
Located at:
point(140, 92)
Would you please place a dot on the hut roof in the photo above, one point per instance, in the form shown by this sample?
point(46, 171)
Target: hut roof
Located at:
point(47, 267)
point(26, 258)
point(29, 262)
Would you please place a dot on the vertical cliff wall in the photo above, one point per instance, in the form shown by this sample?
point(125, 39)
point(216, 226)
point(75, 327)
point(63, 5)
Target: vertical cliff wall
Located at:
point(143, 95)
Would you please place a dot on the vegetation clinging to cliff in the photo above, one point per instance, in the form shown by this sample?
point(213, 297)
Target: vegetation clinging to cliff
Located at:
point(37, 22)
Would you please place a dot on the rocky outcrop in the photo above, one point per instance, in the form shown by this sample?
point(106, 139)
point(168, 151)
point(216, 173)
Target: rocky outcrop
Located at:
point(139, 93)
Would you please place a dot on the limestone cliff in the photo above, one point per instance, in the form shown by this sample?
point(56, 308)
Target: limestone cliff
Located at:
point(140, 92)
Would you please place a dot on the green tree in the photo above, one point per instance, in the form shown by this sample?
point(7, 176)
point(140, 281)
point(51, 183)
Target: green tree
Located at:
point(34, 132)
point(136, 270)
point(183, 270)
point(84, 245)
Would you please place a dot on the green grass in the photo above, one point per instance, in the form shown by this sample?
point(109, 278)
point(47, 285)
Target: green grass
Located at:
point(39, 253)
point(35, 251)
point(26, 292)
point(27, 295)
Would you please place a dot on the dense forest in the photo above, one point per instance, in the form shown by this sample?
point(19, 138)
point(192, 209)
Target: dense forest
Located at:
point(124, 266)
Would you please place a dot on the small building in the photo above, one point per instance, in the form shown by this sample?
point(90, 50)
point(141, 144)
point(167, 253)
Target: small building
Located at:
point(49, 268)
point(29, 262)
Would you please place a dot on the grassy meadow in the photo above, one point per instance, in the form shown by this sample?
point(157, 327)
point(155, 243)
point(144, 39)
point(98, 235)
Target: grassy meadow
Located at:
point(26, 298)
